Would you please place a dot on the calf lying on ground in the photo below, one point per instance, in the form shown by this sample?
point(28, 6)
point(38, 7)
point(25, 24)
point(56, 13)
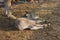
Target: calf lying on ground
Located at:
point(24, 23)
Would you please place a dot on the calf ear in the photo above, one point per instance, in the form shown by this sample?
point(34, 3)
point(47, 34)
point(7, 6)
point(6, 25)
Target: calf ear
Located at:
point(27, 29)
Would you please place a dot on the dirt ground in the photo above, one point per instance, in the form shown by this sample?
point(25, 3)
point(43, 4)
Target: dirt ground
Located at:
point(49, 11)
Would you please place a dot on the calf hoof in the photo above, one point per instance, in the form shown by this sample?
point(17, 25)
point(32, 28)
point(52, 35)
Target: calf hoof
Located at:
point(46, 25)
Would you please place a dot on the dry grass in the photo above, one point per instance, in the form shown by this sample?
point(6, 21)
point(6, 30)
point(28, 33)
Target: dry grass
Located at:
point(9, 32)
